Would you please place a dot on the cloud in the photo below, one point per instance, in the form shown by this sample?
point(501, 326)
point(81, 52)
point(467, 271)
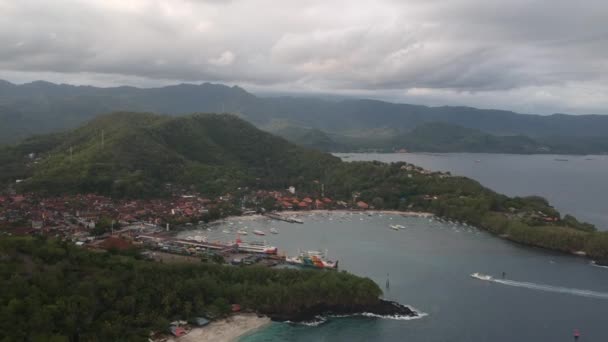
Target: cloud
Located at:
point(473, 52)
point(226, 58)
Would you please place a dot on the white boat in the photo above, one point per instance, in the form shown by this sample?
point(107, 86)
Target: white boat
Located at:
point(242, 232)
point(256, 247)
point(274, 231)
point(199, 238)
point(226, 231)
point(394, 226)
point(258, 232)
point(480, 276)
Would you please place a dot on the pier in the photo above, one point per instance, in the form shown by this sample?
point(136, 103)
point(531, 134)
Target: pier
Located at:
point(278, 217)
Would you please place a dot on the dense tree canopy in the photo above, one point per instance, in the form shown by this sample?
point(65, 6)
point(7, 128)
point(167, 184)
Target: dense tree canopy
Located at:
point(54, 291)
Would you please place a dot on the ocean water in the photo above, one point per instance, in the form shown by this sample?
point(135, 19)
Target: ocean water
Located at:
point(544, 297)
point(578, 186)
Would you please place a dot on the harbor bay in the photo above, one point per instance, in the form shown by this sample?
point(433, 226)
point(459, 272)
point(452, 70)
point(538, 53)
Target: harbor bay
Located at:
point(429, 263)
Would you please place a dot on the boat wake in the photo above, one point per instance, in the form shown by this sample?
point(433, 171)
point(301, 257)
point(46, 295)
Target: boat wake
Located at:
point(542, 287)
point(595, 264)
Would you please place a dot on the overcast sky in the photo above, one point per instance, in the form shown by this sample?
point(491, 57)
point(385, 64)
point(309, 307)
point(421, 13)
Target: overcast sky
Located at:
point(526, 55)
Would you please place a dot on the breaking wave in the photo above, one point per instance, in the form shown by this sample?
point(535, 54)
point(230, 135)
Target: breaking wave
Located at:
point(323, 319)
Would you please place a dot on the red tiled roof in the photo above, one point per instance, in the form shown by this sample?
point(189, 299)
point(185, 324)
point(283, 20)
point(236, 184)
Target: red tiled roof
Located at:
point(362, 205)
point(115, 242)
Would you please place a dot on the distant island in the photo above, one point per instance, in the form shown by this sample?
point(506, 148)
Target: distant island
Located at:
point(335, 125)
point(136, 158)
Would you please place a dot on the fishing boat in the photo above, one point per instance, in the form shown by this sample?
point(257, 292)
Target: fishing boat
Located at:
point(274, 231)
point(314, 259)
point(258, 232)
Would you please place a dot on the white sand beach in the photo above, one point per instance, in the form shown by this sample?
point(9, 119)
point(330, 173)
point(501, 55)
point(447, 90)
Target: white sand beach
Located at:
point(225, 330)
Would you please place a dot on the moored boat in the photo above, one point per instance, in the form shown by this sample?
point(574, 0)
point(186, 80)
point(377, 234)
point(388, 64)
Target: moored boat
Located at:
point(256, 247)
point(274, 231)
point(258, 232)
point(315, 259)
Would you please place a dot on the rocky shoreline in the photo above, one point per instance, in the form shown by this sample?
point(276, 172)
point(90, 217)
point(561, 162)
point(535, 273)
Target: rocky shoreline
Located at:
point(382, 308)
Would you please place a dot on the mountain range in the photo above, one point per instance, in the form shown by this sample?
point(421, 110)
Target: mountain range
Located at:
point(327, 124)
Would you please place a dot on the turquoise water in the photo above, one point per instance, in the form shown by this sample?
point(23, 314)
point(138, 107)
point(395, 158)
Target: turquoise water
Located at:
point(430, 263)
point(577, 186)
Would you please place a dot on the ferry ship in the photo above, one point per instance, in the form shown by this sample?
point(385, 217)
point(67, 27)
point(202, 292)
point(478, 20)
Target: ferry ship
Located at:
point(256, 247)
point(315, 259)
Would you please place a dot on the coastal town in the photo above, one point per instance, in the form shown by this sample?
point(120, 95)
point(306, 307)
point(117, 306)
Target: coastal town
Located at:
point(99, 222)
point(150, 227)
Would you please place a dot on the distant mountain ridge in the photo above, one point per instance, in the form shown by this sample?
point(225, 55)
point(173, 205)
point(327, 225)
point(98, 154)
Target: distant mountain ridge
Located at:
point(43, 107)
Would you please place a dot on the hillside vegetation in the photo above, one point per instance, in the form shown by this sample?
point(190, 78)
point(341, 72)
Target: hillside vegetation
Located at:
point(55, 291)
point(137, 154)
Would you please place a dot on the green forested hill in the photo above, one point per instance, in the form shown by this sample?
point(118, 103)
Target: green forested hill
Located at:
point(136, 154)
point(442, 137)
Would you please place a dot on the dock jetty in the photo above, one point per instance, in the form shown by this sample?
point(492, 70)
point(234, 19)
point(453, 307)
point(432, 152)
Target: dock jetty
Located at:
point(279, 217)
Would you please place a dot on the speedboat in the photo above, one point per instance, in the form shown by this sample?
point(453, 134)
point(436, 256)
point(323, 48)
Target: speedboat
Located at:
point(480, 276)
point(274, 231)
point(226, 231)
point(242, 232)
point(258, 232)
point(394, 226)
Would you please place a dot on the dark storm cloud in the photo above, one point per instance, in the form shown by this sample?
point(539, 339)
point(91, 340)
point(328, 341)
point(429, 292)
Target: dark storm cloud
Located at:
point(543, 55)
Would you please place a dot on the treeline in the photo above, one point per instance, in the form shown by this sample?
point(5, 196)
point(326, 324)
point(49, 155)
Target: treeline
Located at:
point(53, 291)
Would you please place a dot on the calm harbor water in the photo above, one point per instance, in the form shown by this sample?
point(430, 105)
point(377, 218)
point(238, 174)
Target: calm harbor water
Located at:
point(430, 263)
point(576, 185)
